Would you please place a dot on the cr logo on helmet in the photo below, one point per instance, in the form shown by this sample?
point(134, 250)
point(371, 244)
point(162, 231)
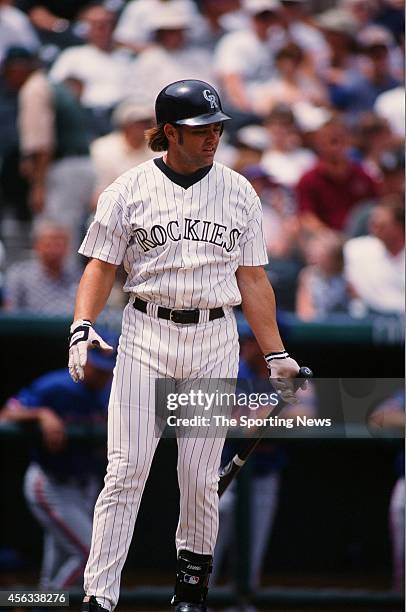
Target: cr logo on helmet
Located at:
point(210, 98)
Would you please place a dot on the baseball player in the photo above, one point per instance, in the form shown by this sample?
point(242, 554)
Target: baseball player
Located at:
point(63, 479)
point(189, 233)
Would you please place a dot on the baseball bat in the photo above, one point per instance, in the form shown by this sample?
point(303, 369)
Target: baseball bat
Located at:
point(231, 469)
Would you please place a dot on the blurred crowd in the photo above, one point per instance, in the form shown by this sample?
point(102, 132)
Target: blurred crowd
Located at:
point(316, 92)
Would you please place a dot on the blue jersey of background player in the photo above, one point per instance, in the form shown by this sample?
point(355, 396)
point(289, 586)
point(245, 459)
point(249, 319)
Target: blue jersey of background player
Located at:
point(75, 404)
point(62, 482)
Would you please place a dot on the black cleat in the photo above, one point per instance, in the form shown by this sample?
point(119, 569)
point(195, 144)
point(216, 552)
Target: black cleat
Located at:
point(189, 607)
point(90, 604)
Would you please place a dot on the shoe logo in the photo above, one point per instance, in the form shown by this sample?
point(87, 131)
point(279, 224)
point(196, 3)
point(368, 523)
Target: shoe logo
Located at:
point(191, 579)
point(194, 567)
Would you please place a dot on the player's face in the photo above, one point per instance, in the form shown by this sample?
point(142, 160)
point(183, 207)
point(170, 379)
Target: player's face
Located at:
point(196, 146)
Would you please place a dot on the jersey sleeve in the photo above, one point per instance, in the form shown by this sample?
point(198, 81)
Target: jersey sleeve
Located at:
point(109, 233)
point(35, 395)
point(252, 242)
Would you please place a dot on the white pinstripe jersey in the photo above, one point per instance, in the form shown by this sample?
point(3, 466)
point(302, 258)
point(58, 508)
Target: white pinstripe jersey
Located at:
point(180, 247)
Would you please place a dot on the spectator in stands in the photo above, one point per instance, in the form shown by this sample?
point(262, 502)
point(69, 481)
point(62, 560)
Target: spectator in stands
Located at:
point(342, 66)
point(54, 143)
point(54, 22)
point(124, 148)
point(171, 58)
point(300, 31)
point(391, 15)
point(362, 12)
point(47, 283)
point(359, 93)
point(322, 288)
point(217, 17)
point(245, 58)
point(15, 69)
point(285, 159)
point(374, 138)
point(250, 142)
point(281, 227)
point(63, 479)
point(391, 106)
point(391, 171)
point(135, 27)
point(15, 29)
point(101, 67)
point(291, 84)
point(375, 264)
point(392, 166)
point(282, 234)
point(331, 189)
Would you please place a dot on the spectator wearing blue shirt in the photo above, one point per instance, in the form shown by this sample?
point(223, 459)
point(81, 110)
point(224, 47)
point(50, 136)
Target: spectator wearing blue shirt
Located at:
point(62, 481)
point(361, 89)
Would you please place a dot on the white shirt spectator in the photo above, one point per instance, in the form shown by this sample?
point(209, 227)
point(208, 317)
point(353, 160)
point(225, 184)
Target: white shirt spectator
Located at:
point(377, 276)
point(288, 167)
point(113, 156)
point(16, 30)
point(155, 67)
point(135, 24)
point(245, 54)
point(28, 288)
point(391, 106)
point(104, 74)
point(311, 41)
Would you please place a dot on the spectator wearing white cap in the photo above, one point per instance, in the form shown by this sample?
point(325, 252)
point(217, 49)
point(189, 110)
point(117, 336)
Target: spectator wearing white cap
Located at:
point(125, 147)
point(244, 59)
point(135, 27)
point(172, 58)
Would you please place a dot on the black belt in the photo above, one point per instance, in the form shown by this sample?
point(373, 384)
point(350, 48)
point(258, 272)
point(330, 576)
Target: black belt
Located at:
point(178, 316)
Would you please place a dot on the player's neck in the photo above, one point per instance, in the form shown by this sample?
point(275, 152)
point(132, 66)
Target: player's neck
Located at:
point(179, 165)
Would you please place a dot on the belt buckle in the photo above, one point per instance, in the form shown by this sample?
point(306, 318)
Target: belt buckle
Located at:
point(173, 312)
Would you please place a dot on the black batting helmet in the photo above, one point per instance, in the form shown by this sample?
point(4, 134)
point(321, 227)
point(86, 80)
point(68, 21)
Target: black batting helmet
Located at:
point(189, 102)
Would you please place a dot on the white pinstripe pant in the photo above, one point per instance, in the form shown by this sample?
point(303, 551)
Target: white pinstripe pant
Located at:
point(153, 348)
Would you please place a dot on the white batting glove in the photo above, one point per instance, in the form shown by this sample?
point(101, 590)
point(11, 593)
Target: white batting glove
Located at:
point(83, 337)
point(283, 372)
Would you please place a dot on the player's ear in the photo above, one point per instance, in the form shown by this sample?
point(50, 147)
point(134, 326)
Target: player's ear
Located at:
point(171, 132)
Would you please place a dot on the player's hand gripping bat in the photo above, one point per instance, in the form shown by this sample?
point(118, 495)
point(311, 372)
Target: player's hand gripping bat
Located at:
point(231, 469)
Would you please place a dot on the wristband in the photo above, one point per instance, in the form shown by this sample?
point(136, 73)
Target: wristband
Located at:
point(269, 357)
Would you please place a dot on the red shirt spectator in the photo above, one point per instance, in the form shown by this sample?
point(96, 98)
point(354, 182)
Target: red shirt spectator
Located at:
point(332, 198)
point(329, 190)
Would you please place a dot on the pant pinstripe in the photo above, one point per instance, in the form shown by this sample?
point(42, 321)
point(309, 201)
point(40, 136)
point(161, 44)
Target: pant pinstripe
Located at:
point(152, 348)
